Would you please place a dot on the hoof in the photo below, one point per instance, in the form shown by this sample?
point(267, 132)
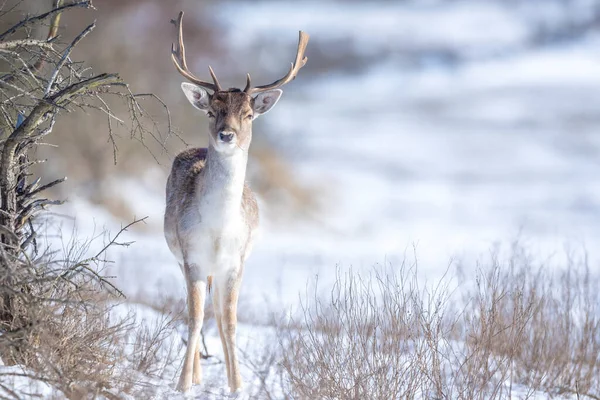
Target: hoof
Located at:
point(183, 386)
point(197, 379)
point(236, 392)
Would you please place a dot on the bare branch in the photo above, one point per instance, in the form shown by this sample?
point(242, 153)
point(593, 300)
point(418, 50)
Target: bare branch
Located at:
point(36, 18)
point(13, 44)
point(113, 241)
point(65, 56)
point(47, 186)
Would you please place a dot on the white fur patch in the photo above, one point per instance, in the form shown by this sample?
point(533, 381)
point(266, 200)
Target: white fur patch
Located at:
point(196, 95)
point(263, 102)
point(215, 229)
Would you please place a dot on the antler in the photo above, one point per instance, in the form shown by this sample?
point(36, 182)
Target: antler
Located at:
point(178, 57)
point(298, 63)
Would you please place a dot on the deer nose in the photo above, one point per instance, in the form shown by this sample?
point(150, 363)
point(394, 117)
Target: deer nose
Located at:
point(226, 136)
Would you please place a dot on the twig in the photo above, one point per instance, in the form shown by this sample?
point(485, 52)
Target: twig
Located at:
point(48, 186)
point(26, 21)
point(13, 44)
point(113, 241)
point(65, 56)
point(577, 392)
point(169, 130)
point(18, 89)
point(89, 84)
point(111, 136)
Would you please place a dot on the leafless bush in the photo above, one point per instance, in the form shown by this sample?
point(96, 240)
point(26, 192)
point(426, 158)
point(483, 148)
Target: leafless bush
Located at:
point(357, 344)
point(58, 330)
point(514, 328)
point(535, 326)
point(53, 304)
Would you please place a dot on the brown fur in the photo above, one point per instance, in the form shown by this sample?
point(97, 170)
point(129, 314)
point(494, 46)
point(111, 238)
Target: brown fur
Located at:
point(181, 184)
point(230, 110)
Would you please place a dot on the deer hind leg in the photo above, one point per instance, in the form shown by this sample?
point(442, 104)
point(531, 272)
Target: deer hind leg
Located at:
point(192, 370)
point(197, 374)
point(229, 292)
point(219, 318)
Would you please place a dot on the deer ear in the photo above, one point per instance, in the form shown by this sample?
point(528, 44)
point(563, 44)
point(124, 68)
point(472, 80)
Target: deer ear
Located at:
point(264, 101)
point(196, 95)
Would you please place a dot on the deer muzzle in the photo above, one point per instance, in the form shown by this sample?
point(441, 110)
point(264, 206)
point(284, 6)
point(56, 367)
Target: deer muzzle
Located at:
point(226, 136)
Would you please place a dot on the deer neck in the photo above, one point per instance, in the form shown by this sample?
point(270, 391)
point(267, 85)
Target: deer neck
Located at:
point(224, 177)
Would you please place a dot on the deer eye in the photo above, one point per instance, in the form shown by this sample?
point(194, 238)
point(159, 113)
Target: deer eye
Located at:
point(210, 114)
point(249, 116)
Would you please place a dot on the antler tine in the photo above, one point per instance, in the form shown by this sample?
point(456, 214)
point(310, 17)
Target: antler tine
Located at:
point(248, 83)
point(214, 78)
point(295, 67)
point(178, 57)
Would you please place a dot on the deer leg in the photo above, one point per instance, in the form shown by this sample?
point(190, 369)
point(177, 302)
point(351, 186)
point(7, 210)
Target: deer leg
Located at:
point(218, 317)
point(197, 368)
point(196, 297)
point(197, 375)
point(229, 300)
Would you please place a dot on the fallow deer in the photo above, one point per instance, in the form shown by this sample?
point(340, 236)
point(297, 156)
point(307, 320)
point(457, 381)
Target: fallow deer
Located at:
point(211, 214)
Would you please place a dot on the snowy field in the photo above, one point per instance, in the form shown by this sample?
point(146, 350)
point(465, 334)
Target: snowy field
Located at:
point(479, 138)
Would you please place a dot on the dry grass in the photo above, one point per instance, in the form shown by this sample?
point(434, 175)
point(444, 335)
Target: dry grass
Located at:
point(510, 330)
point(60, 331)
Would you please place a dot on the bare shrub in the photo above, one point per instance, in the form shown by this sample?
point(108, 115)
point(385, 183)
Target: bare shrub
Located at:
point(60, 332)
point(544, 324)
point(54, 304)
point(358, 344)
point(513, 328)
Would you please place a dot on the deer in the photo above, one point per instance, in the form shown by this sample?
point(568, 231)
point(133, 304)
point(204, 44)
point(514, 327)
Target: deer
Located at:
point(211, 215)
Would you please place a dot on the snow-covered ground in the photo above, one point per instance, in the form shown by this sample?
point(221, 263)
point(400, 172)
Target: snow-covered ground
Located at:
point(447, 157)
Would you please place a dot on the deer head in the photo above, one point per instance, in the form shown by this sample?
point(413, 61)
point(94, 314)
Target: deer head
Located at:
point(231, 111)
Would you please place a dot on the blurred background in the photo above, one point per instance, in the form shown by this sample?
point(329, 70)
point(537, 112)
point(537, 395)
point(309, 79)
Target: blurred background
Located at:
point(428, 130)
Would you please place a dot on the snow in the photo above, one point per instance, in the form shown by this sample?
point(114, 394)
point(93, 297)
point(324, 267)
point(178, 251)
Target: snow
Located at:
point(375, 29)
point(19, 380)
point(252, 340)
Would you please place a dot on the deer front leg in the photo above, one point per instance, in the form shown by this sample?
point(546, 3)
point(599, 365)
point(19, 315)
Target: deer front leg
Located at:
point(192, 370)
point(229, 300)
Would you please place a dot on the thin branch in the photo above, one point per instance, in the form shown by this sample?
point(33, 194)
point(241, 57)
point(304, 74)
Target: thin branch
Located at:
point(18, 89)
point(35, 205)
point(31, 238)
point(111, 136)
point(113, 241)
point(13, 44)
point(84, 264)
point(47, 186)
point(52, 34)
point(89, 84)
point(169, 129)
point(27, 21)
point(25, 68)
point(65, 56)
